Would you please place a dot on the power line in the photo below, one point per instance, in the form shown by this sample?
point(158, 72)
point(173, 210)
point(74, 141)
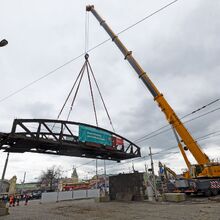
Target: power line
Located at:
point(166, 149)
point(193, 112)
point(148, 16)
point(82, 54)
point(85, 163)
point(212, 134)
point(158, 152)
point(197, 139)
point(217, 135)
point(209, 135)
point(67, 170)
point(201, 108)
point(200, 116)
point(205, 137)
point(201, 138)
point(40, 78)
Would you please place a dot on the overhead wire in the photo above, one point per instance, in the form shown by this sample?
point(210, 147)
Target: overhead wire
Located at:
point(148, 16)
point(201, 138)
point(158, 152)
point(146, 156)
point(201, 108)
point(82, 54)
point(206, 136)
point(161, 128)
point(197, 139)
point(161, 151)
point(90, 50)
point(168, 129)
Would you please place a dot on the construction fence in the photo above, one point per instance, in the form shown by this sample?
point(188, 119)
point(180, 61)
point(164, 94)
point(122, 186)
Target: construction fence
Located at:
point(69, 195)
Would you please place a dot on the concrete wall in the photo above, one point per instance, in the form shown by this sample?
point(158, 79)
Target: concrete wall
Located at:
point(49, 197)
point(69, 195)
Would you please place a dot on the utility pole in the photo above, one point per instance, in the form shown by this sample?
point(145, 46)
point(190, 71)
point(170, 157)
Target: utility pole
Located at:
point(96, 171)
point(146, 168)
point(105, 175)
point(133, 167)
point(154, 180)
point(22, 189)
point(5, 167)
point(3, 43)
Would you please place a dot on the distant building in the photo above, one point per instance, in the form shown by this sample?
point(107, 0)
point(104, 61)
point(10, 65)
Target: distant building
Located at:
point(66, 184)
point(74, 176)
point(28, 187)
point(73, 183)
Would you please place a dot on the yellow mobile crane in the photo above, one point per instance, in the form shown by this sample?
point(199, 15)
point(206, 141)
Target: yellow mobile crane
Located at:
point(204, 168)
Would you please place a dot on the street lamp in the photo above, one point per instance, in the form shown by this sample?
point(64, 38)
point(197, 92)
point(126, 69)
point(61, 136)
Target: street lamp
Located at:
point(3, 43)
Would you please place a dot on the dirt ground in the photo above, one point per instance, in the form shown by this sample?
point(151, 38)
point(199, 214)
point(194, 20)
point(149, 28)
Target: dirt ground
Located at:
point(193, 209)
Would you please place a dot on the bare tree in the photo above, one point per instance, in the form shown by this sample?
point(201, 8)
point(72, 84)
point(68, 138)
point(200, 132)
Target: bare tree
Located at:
point(49, 178)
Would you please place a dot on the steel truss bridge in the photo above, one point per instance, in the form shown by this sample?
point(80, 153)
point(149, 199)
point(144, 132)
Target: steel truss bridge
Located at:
point(62, 138)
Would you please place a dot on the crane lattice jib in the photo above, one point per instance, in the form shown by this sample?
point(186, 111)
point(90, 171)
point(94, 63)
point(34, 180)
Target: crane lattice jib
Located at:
point(172, 118)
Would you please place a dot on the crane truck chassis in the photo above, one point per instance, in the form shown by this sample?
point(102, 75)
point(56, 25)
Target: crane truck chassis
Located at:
point(202, 177)
point(208, 187)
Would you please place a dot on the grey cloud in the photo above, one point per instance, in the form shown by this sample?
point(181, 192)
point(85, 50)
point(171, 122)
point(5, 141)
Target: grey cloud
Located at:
point(179, 48)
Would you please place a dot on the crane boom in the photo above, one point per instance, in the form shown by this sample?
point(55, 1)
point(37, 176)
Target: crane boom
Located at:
point(205, 168)
point(172, 118)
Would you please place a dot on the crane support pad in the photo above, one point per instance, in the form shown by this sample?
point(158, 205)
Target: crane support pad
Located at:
point(67, 138)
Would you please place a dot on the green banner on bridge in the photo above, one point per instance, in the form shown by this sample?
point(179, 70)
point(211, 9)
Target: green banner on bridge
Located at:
point(94, 135)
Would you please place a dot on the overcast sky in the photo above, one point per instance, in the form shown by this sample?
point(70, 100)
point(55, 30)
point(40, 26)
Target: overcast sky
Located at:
point(178, 47)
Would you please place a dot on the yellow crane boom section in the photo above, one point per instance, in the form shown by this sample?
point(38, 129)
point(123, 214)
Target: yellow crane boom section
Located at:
point(172, 118)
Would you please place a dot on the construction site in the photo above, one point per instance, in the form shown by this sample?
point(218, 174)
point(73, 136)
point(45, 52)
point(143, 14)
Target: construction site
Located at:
point(126, 126)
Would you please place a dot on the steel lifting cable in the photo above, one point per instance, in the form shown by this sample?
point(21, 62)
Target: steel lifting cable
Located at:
point(80, 75)
point(81, 71)
point(86, 32)
point(100, 94)
point(86, 29)
point(74, 84)
point(77, 89)
point(86, 66)
point(86, 63)
point(91, 91)
point(89, 69)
